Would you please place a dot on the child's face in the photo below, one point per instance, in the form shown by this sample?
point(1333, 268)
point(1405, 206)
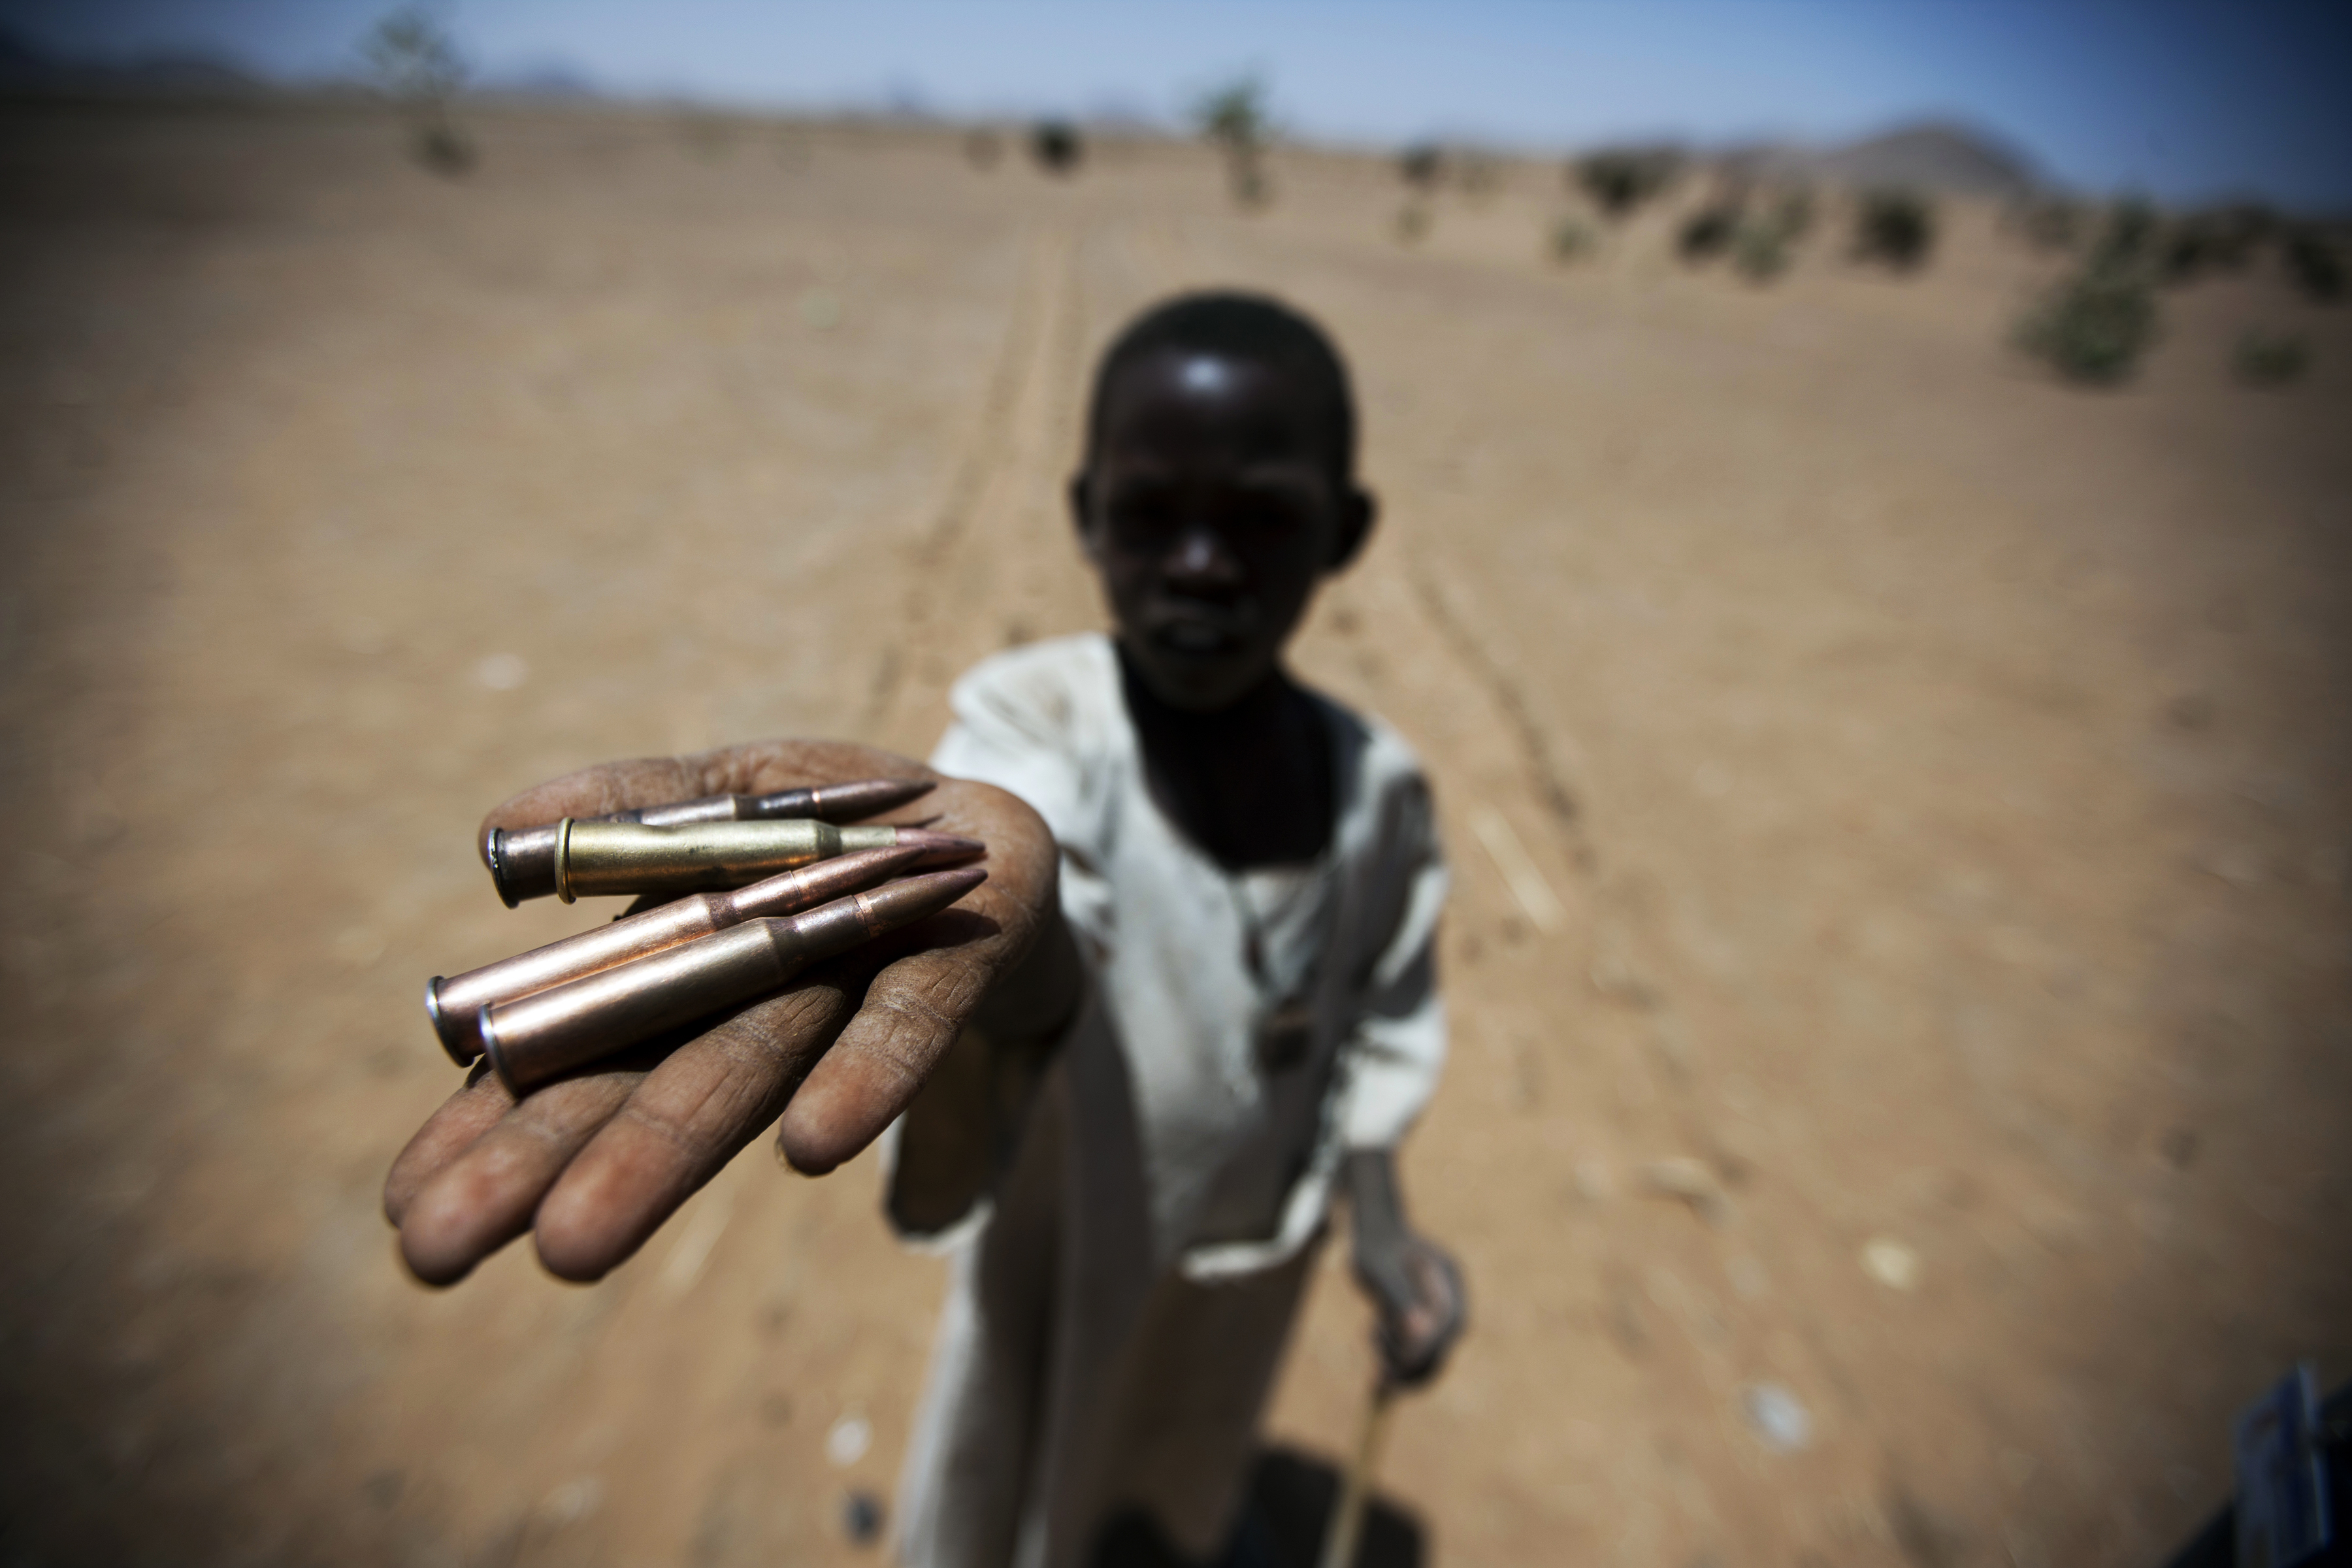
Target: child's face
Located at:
point(1211, 507)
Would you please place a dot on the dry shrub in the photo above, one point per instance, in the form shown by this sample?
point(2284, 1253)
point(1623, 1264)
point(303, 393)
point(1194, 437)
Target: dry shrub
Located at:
point(1573, 239)
point(1057, 146)
point(1622, 179)
point(1895, 228)
point(2313, 264)
point(1706, 233)
point(2270, 359)
point(1422, 165)
point(2094, 327)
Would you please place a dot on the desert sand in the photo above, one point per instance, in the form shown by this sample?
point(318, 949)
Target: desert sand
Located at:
point(1899, 806)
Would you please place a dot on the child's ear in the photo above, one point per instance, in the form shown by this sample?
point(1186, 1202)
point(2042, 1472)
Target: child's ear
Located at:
point(1082, 514)
point(1357, 511)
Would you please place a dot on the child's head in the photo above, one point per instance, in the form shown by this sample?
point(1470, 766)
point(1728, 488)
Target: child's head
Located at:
point(1219, 486)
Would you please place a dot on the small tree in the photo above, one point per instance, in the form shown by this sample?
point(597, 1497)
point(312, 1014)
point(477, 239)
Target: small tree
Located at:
point(1234, 119)
point(1894, 226)
point(2133, 230)
point(417, 65)
point(1707, 233)
point(1620, 179)
point(2314, 264)
point(1421, 167)
point(1057, 146)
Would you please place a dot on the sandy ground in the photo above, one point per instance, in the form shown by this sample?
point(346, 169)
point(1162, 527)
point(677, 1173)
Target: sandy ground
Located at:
point(1909, 793)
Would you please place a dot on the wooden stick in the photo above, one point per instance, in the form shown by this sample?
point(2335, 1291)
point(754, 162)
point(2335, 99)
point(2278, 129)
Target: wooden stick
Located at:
point(1355, 1488)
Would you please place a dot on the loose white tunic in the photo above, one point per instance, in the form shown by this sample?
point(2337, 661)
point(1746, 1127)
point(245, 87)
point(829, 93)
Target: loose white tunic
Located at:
point(1120, 1300)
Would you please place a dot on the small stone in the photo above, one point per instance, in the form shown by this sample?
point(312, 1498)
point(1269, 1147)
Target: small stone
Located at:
point(1690, 1180)
point(821, 310)
point(572, 1501)
point(1891, 1263)
point(1777, 1417)
point(502, 671)
point(861, 1517)
point(847, 1442)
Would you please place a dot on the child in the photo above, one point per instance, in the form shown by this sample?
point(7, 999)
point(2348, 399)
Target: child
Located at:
point(1253, 878)
point(1157, 1077)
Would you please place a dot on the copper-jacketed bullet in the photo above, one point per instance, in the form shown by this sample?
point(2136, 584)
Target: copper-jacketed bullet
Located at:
point(454, 1005)
point(630, 859)
point(522, 860)
point(534, 1038)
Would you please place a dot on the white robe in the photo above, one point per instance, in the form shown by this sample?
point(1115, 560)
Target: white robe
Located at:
point(1121, 1299)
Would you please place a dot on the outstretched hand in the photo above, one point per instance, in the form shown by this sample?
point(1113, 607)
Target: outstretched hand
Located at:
point(591, 1165)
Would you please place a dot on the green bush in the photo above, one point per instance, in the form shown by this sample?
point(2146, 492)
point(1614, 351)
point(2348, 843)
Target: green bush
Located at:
point(1620, 180)
point(1573, 239)
point(1422, 165)
point(1706, 233)
point(2129, 237)
point(2270, 359)
point(2313, 264)
point(2220, 240)
point(1057, 146)
point(1760, 251)
point(1792, 215)
point(2094, 327)
point(2048, 222)
point(1895, 228)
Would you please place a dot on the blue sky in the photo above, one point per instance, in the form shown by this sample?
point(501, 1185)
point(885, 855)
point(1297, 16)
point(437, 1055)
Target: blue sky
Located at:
point(2181, 100)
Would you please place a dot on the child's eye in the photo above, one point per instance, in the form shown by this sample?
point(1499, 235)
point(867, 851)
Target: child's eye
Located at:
point(1268, 512)
point(1140, 516)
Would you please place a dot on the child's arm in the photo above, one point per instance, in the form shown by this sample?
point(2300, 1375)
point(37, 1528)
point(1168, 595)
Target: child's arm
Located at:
point(594, 1162)
point(1413, 1284)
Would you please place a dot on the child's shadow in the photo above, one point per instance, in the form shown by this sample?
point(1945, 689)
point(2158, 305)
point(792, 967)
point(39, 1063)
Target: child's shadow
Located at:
point(1282, 1521)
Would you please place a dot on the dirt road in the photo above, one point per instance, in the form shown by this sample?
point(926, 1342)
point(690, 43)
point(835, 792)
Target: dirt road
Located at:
point(1899, 805)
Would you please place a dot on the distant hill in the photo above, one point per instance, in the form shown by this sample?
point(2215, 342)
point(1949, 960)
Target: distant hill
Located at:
point(25, 66)
point(1947, 158)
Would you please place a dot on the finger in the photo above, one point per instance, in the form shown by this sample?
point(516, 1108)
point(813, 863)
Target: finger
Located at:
point(485, 1197)
point(911, 1014)
point(915, 1006)
point(731, 769)
point(690, 1116)
point(463, 1117)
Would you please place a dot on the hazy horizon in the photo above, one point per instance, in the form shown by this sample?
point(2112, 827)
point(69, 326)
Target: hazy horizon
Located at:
point(2183, 102)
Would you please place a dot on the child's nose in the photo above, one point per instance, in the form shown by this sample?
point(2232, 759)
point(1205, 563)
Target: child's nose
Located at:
point(1200, 557)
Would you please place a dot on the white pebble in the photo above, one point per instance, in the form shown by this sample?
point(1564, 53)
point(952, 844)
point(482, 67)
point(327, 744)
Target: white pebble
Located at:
point(847, 1443)
point(502, 671)
point(1891, 1263)
point(1778, 1418)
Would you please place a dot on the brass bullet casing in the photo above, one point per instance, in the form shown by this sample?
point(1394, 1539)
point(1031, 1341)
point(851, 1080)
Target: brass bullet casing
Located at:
point(629, 859)
point(522, 860)
point(537, 1037)
point(455, 1004)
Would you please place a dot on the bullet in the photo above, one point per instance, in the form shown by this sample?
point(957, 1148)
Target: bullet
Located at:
point(455, 1004)
point(536, 1038)
point(522, 860)
point(628, 858)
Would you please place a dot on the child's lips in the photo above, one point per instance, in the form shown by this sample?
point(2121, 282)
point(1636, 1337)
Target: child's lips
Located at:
point(1195, 638)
